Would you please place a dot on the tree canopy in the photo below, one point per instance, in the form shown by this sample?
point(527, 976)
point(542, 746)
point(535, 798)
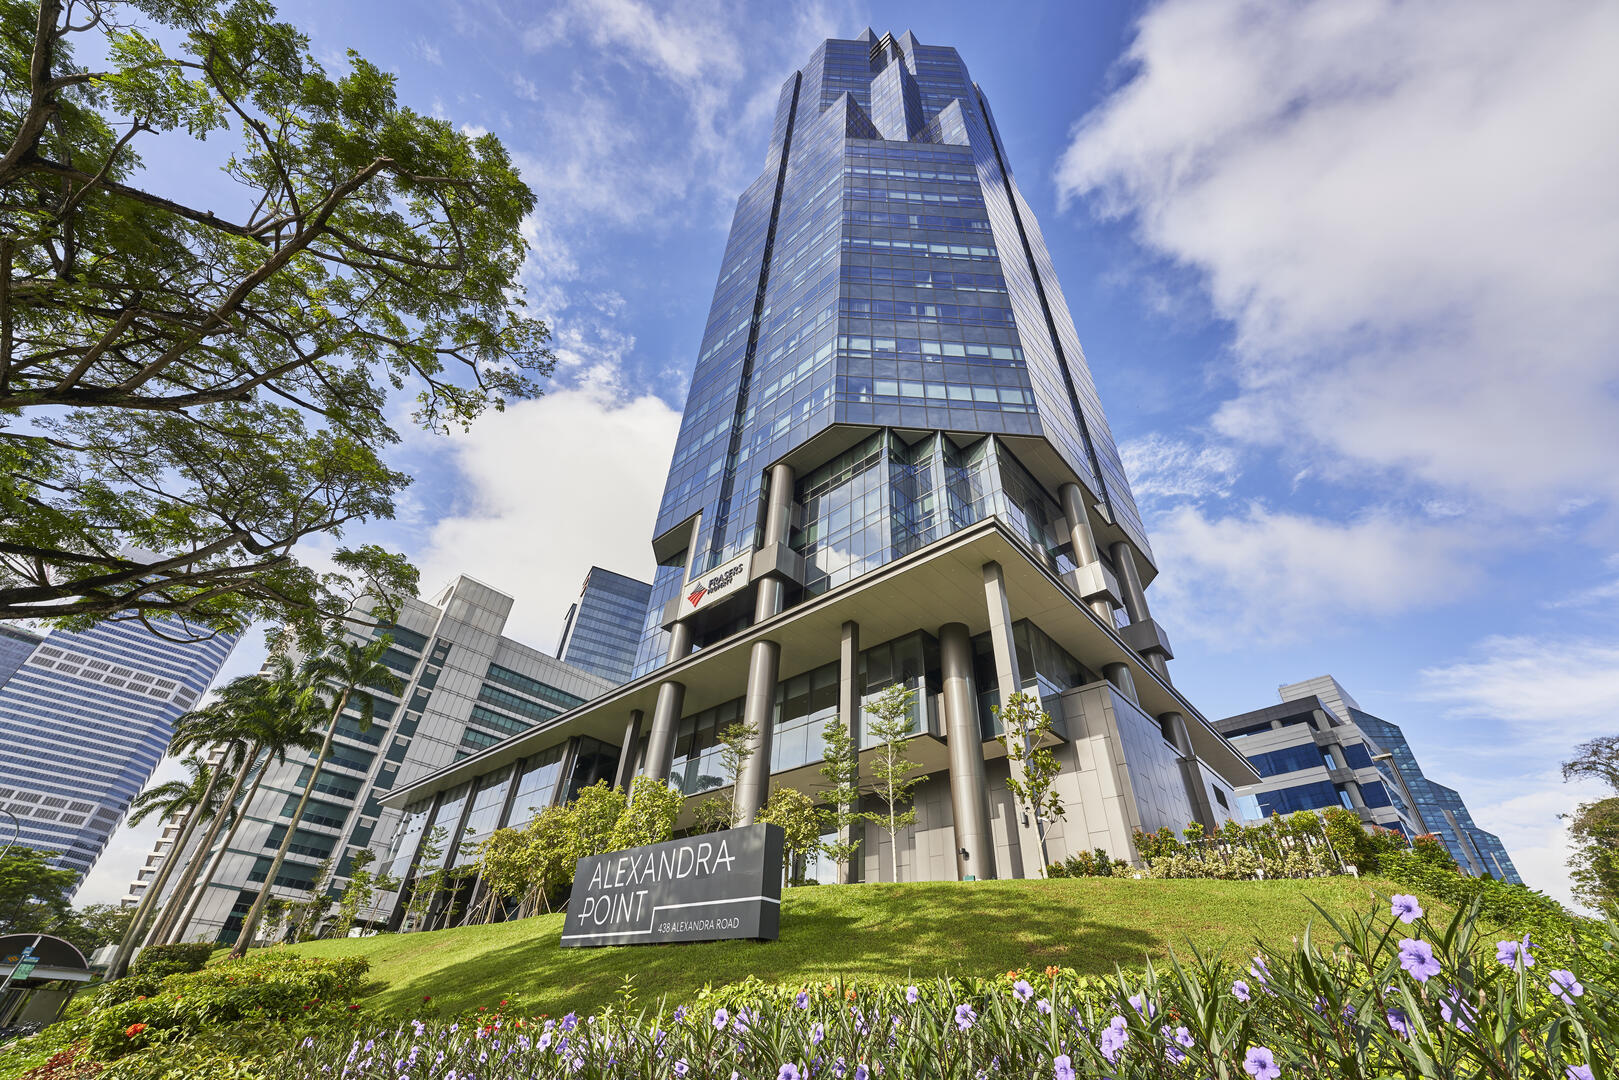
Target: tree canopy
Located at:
point(196, 364)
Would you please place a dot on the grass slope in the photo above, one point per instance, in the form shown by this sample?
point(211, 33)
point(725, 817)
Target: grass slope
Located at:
point(882, 931)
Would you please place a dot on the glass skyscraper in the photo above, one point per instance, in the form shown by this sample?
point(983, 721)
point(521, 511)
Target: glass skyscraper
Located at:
point(601, 631)
point(16, 646)
point(893, 469)
point(1475, 850)
point(85, 720)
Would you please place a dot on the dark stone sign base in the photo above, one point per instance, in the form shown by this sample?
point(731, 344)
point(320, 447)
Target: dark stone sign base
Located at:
point(713, 887)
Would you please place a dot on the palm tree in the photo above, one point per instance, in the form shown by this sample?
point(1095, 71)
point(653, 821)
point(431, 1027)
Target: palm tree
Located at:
point(275, 719)
point(346, 672)
point(191, 800)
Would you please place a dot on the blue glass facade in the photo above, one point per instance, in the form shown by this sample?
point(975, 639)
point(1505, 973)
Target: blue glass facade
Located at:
point(84, 722)
point(603, 628)
point(16, 646)
point(1443, 811)
point(882, 273)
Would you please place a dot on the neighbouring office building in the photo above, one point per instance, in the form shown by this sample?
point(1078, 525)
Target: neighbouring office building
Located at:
point(602, 630)
point(893, 468)
point(84, 720)
point(1319, 748)
point(467, 687)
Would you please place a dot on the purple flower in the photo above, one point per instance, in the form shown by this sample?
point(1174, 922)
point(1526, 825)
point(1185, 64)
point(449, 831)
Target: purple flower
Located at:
point(1260, 1064)
point(1258, 970)
point(860, 1073)
point(802, 1001)
point(1022, 990)
point(721, 1018)
point(789, 1071)
point(911, 994)
point(1141, 1005)
point(1404, 906)
point(1564, 986)
point(1062, 1068)
point(1114, 1036)
point(1398, 1022)
point(680, 1014)
point(965, 1016)
point(1172, 1051)
point(1453, 1010)
point(1514, 955)
point(1580, 1072)
point(1043, 1007)
point(681, 1068)
point(817, 1033)
point(1417, 958)
point(1239, 990)
point(570, 1022)
point(1184, 1037)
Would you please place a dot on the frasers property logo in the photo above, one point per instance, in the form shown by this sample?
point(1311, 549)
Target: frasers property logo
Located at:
point(720, 583)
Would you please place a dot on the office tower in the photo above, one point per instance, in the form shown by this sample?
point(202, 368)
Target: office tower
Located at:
point(1311, 759)
point(85, 720)
point(467, 688)
point(893, 468)
point(603, 627)
point(16, 646)
point(1477, 851)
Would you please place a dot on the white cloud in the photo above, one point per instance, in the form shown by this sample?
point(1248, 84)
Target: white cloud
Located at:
point(552, 487)
point(525, 88)
point(1267, 576)
point(1530, 700)
point(1162, 468)
point(1410, 212)
point(428, 51)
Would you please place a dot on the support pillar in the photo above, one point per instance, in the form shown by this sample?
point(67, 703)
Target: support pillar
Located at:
point(1197, 792)
point(1142, 634)
point(969, 787)
point(1119, 675)
point(626, 756)
point(851, 689)
point(764, 661)
point(660, 743)
point(1099, 593)
point(1031, 846)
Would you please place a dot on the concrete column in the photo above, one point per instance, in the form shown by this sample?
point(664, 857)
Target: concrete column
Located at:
point(1354, 794)
point(660, 745)
point(1135, 597)
point(1191, 773)
point(851, 688)
point(778, 521)
point(1084, 542)
point(1010, 681)
point(626, 755)
point(1119, 675)
point(969, 788)
point(679, 642)
point(758, 711)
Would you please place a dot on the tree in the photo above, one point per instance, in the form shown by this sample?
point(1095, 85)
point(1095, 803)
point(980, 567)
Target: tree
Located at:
point(361, 890)
point(187, 800)
point(503, 870)
point(654, 806)
point(712, 814)
point(33, 893)
point(736, 747)
point(1594, 863)
point(593, 814)
point(94, 925)
point(891, 779)
point(346, 671)
point(205, 383)
point(1034, 767)
point(800, 822)
point(305, 917)
point(429, 879)
point(279, 714)
point(840, 765)
point(549, 848)
point(1594, 826)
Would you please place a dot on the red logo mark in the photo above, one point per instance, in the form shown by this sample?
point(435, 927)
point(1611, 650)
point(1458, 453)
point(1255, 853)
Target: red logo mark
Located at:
point(697, 594)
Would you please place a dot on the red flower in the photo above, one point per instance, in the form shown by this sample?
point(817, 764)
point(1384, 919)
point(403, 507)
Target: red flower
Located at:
point(133, 1030)
point(354, 1008)
point(426, 998)
point(502, 1003)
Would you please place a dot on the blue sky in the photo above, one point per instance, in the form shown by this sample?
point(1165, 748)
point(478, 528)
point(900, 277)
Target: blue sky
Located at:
point(1343, 273)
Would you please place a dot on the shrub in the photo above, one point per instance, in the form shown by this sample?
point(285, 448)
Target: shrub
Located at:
point(271, 986)
point(161, 960)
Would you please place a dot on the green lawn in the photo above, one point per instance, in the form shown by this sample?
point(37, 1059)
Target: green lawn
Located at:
point(868, 931)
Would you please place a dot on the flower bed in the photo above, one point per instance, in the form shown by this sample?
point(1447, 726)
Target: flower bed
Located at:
point(1392, 994)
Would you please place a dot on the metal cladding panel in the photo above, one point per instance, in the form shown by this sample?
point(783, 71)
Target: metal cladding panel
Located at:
point(712, 887)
